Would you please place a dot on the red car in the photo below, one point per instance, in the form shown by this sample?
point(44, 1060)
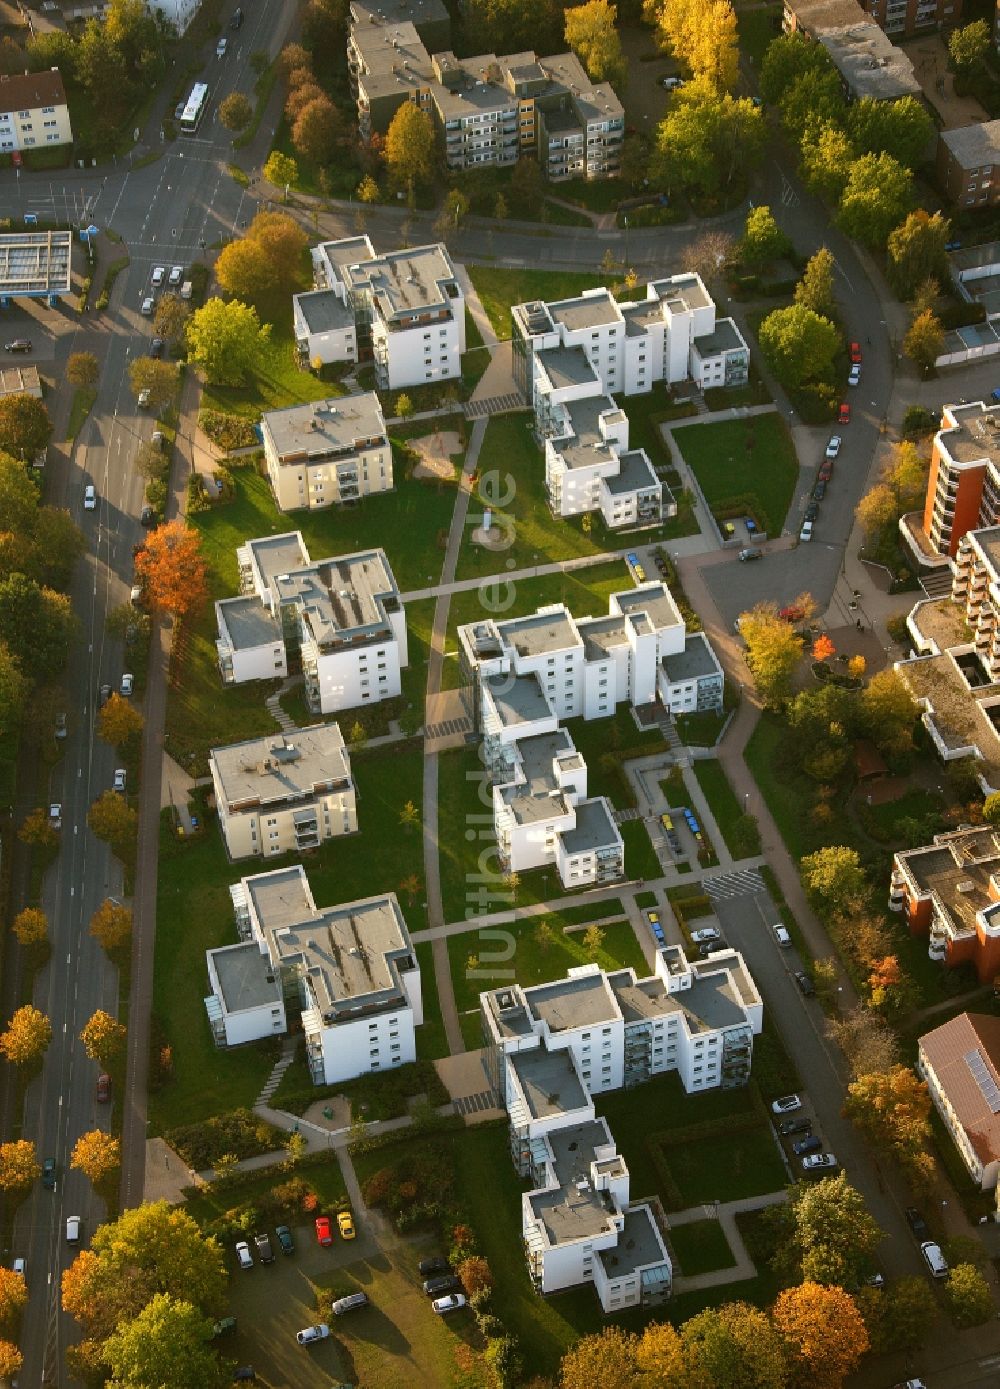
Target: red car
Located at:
point(791, 614)
point(103, 1088)
point(844, 416)
point(856, 353)
point(324, 1234)
point(826, 471)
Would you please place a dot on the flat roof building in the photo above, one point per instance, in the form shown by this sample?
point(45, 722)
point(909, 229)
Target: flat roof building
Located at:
point(327, 452)
point(816, 18)
point(35, 265)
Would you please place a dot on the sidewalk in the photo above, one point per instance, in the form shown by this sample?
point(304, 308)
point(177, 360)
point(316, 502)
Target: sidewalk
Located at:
point(743, 1267)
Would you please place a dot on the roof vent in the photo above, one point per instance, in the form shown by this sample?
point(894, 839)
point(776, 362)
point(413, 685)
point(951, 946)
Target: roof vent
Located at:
point(966, 886)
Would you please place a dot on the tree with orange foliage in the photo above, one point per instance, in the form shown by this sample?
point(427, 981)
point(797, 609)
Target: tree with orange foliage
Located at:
point(118, 722)
point(13, 1297)
point(823, 648)
point(28, 1035)
point(97, 1155)
point(824, 1331)
point(30, 926)
point(19, 1169)
point(111, 925)
point(171, 570)
point(893, 1108)
point(476, 1274)
point(11, 1360)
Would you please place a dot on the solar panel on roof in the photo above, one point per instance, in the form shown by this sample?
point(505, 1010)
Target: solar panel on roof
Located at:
point(984, 1079)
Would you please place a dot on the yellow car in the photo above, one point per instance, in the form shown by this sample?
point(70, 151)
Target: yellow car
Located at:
point(666, 822)
point(346, 1225)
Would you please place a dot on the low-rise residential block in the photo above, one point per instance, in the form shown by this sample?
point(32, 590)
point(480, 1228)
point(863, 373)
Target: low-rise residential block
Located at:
point(347, 975)
point(960, 1061)
point(286, 792)
point(33, 111)
point(968, 164)
point(339, 620)
point(326, 453)
point(855, 36)
point(550, 1048)
point(949, 892)
point(403, 311)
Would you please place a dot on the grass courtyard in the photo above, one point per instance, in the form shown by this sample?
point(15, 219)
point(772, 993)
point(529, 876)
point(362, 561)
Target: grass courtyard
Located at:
point(743, 465)
point(739, 829)
point(701, 1247)
point(498, 289)
point(584, 591)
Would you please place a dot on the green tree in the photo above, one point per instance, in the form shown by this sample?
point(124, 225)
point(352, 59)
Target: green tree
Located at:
point(799, 345)
point(877, 510)
point(36, 625)
point(227, 340)
point(82, 369)
point(968, 1296)
point(25, 428)
point(735, 1345)
point(593, 941)
point(924, 341)
point(282, 171)
point(591, 34)
point(786, 59)
point(527, 187)
point(171, 317)
point(409, 816)
point(815, 289)
point(888, 712)
point(244, 268)
point(876, 198)
point(909, 1312)
point(404, 406)
point(763, 240)
point(834, 1235)
point(969, 45)
point(168, 1342)
point(833, 876)
point(324, 25)
point(511, 26)
point(316, 130)
point(18, 497)
point(773, 650)
point(902, 129)
point(916, 252)
point(235, 111)
point(456, 206)
point(410, 147)
point(814, 102)
point(827, 157)
point(13, 690)
point(706, 140)
point(157, 377)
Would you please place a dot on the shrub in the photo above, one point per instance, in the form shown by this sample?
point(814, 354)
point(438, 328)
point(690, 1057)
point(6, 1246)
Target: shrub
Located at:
point(919, 421)
point(476, 1275)
point(227, 431)
point(489, 1325)
point(463, 1244)
point(504, 1357)
point(379, 1187)
point(240, 1132)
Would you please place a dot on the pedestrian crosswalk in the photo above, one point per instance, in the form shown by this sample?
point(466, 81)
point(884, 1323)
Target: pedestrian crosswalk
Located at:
point(472, 1104)
point(742, 882)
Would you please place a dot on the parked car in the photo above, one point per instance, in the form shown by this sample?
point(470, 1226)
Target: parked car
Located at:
point(104, 694)
point(18, 345)
point(55, 815)
point(309, 1335)
point(237, 18)
point(147, 517)
point(833, 447)
point(285, 1239)
point(61, 726)
point(121, 776)
point(179, 110)
point(243, 1254)
point(844, 414)
point(806, 533)
point(855, 354)
point(781, 936)
point(819, 491)
point(800, 1124)
point(73, 1229)
point(49, 1174)
point(148, 305)
point(434, 1265)
point(804, 983)
point(158, 276)
point(671, 84)
point(791, 613)
point(102, 1090)
point(156, 347)
point(788, 1104)
point(446, 1283)
point(854, 375)
point(705, 934)
point(225, 1326)
point(350, 1303)
point(127, 685)
point(819, 1162)
point(324, 1234)
point(90, 497)
point(812, 1144)
point(243, 1372)
point(825, 471)
point(812, 510)
point(176, 275)
point(220, 48)
point(345, 1225)
point(451, 1303)
point(751, 552)
point(264, 1251)
point(917, 1223)
point(142, 399)
point(20, 1266)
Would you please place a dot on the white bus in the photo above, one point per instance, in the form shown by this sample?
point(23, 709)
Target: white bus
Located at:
point(195, 108)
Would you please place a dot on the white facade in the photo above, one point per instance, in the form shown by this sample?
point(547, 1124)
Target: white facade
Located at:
point(33, 111)
point(549, 1049)
point(341, 616)
point(287, 792)
point(179, 12)
point(589, 465)
point(349, 973)
point(327, 453)
point(324, 326)
point(407, 309)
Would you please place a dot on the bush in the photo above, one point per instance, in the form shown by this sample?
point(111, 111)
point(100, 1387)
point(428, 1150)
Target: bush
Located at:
point(240, 1132)
point(378, 1188)
point(963, 313)
point(504, 1357)
point(490, 1325)
point(227, 431)
point(919, 421)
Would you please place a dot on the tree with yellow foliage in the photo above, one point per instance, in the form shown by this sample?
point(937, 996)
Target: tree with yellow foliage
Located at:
point(28, 1034)
point(19, 1169)
point(701, 35)
point(591, 34)
point(30, 926)
point(824, 1332)
point(97, 1155)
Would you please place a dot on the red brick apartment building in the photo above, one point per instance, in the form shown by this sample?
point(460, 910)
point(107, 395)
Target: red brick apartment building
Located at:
point(963, 489)
point(949, 892)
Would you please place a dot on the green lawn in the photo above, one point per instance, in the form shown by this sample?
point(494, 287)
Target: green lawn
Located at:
point(431, 1039)
point(80, 407)
point(701, 1247)
point(498, 289)
point(514, 954)
point(700, 730)
point(278, 380)
point(640, 856)
point(739, 830)
point(594, 738)
point(584, 591)
point(322, 1172)
point(744, 464)
point(728, 1167)
point(194, 913)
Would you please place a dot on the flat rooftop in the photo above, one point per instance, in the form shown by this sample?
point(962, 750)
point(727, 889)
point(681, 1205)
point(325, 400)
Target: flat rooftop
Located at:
point(566, 366)
point(393, 60)
point(641, 316)
point(713, 1002)
point(941, 621)
point(517, 699)
point(583, 445)
point(653, 599)
point(540, 632)
point(573, 1209)
point(975, 435)
point(548, 1082)
point(973, 145)
point(279, 898)
point(35, 262)
point(406, 282)
point(696, 661)
point(987, 541)
point(601, 635)
point(970, 859)
point(578, 1001)
point(957, 712)
point(278, 554)
point(594, 101)
point(324, 311)
point(248, 623)
point(325, 427)
point(726, 338)
point(595, 829)
point(639, 1246)
point(20, 381)
point(592, 309)
point(343, 599)
point(681, 292)
point(869, 62)
point(635, 474)
point(246, 978)
point(282, 767)
point(539, 797)
point(381, 12)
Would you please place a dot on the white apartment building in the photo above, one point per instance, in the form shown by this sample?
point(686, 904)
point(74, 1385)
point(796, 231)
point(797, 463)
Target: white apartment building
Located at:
point(179, 12)
point(585, 667)
point(589, 465)
point(404, 311)
point(672, 335)
point(33, 111)
point(284, 792)
point(550, 1048)
point(348, 974)
point(327, 452)
point(339, 619)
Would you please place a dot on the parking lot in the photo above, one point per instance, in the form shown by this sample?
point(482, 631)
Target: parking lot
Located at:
point(397, 1342)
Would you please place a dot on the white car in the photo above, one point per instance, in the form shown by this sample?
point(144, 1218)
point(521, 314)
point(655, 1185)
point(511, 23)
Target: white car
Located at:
point(781, 936)
point(21, 1266)
point(143, 397)
point(72, 1229)
point(120, 778)
point(806, 533)
point(671, 84)
point(786, 1105)
point(127, 685)
point(451, 1303)
point(854, 375)
point(220, 48)
point(159, 275)
point(148, 305)
point(90, 497)
point(707, 933)
point(309, 1335)
point(833, 447)
point(243, 1255)
point(55, 815)
point(61, 728)
point(176, 275)
point(819, 1162)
